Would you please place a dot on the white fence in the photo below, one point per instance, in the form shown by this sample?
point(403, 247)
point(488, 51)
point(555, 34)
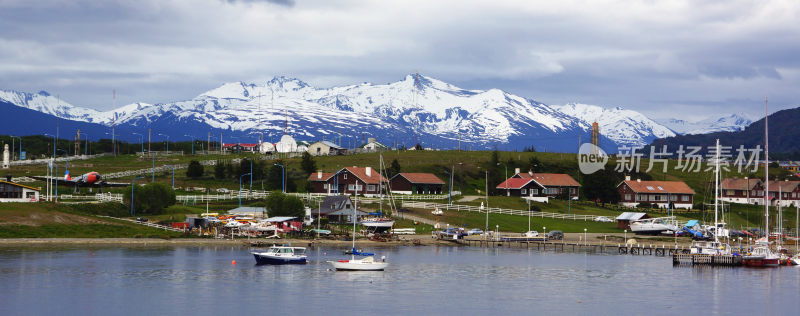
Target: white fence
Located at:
point(47, 160)
point(102, 197)
point(495, 210)
point(154, 225)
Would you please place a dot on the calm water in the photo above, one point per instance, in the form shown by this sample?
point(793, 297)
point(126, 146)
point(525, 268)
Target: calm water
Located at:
point(421, 280)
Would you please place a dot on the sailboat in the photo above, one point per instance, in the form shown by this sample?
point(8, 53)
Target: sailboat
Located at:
point(714, 247)
point(379, 224)
point(761, 255)
point(367, 263)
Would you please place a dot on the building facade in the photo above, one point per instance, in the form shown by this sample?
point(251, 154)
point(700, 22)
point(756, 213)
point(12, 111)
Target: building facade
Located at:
point(15, 192)
point(349, 180)
point(416, 183)
point(540, 186)
point(325, 148)
point(663, 194)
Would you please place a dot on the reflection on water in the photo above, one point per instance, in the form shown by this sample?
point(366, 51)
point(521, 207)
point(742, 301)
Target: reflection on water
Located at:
point(203, 280)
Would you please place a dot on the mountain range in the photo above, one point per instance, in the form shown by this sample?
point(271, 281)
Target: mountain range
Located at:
point(417, 109)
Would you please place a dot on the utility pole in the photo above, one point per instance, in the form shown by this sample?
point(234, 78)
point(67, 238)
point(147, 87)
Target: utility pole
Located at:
point(149, 134)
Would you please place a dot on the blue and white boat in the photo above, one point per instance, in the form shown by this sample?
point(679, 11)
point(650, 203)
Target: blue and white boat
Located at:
point(281, 255)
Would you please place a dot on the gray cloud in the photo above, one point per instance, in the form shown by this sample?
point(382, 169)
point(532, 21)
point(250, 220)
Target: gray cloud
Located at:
point(703, 57)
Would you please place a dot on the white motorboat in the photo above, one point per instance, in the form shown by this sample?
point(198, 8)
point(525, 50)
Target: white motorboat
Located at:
point(709, 248)
point(378, 223)
point(281, 255)
point(654, 226)
point(761, 256)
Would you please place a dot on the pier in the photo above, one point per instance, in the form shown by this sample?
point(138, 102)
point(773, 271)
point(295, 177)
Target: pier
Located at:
point(622, 249)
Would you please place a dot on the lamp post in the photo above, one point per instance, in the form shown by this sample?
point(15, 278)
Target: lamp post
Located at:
point(20, 146)
point(113, 143)
point(626, 236)
point(173, 175)
point(283, 177)
point(192, 142)
point(52, 174)
point(153, 179)
point(585, 241)
point(86, 145)
point(486, 229)
point(141, 141)
point(167, 141)
point(240, 188)
point(66, 167)
point(133, 186)
point(544, 229)
point(496, 232)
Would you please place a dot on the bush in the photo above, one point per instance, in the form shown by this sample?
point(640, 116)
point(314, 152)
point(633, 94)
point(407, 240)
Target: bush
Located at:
point(644, 205)
point(195, 169)
point(151, 198)
point(219, 171)
point(279, 204)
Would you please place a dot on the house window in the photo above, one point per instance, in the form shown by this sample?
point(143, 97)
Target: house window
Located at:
point(524, 191)
point(371, 187)
point(730, 192)
point(685, 198)
point(656, 197)
point(673, 198)
point(325, 186)
point(627, 197)
point(534, 191)
point(345, 176)
point(641, 197)
point(572, 190)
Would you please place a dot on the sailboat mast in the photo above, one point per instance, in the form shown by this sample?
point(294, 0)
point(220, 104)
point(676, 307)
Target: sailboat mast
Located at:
point(355, 215)
point(766, 169)
point(716, 192)
point(380, 183)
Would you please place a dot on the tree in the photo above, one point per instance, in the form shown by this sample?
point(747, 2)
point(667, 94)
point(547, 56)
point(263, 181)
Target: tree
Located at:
point(195, 169)
point(394, 168)
point(274, 178)
point(601, 187)
point(307, 163)
point(150, 198)
point(279, 204)
point(535, 165)
point(418, 147)
point(219, 171)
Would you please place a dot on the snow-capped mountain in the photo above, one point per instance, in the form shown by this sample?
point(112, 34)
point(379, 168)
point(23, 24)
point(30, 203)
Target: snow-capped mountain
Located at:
point(417, 109)
point(625, 127)
point(726, 123)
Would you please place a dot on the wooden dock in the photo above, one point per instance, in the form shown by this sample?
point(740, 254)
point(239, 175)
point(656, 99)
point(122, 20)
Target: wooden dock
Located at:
point(711, 260)
point(622, 249)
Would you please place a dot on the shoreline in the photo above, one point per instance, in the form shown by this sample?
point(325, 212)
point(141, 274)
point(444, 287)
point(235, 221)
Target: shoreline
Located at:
point(405, 240)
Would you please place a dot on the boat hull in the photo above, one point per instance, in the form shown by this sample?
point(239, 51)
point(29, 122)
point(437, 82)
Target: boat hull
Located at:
point(267, 259)
point(760, 262)
point(355, 265)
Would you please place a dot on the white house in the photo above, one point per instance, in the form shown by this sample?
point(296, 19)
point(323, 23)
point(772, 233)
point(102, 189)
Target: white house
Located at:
point(15, 192)
point(373, 145)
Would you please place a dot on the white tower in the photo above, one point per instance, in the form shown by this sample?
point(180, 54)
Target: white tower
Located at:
point(6, 163)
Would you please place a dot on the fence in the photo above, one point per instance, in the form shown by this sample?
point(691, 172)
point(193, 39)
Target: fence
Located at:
point(102, 197)
point(47, 160)
point(495, 210)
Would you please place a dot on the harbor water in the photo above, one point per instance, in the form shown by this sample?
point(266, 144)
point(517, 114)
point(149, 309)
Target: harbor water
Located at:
point(421, 280)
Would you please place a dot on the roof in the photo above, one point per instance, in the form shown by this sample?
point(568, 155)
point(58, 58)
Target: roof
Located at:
point(348, 212)
point(659, 186)
point(20, 185)
point(279, 219)
point(316, 176)
point(549, 179)
point(420, 178)
point(692, 223)
point(334, 203)
point(361, 173)
point(377, 144)
point(247, 209)
point(239, 144)
point(630, 216)
point(739, 184)
point(783, 186)
point(329, 144)
point(514, 183)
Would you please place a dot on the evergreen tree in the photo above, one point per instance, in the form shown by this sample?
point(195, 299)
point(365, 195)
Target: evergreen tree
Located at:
point(195, 169)
point(219, 171)
point(308, 164)
point(394, 168)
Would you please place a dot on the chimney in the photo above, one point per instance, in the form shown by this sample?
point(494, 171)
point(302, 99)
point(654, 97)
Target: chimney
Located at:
point(627, 178)
point(368, 171)
point(638, 180)
point(319, 174)
point(516, 170)
point(530, 172)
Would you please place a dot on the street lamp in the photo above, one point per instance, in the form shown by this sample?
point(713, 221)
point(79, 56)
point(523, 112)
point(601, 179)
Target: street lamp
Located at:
point(240, 188)
point(584, 237)
point(86, 145)
point(283, 177)
point(133, 186)
point(167, 141)
point(173, 175)
point(20, 146)
point(113, 143)
point(192, 142)
point(141, 141)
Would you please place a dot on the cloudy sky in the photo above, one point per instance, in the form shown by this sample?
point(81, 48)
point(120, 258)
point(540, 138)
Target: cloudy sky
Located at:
point(685, 59)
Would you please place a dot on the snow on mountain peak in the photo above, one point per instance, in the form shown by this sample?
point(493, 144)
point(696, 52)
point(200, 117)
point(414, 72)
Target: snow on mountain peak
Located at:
point(623, 126)
point(728, 123)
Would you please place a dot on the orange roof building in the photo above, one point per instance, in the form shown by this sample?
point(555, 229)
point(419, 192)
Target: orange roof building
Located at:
point(664, 194)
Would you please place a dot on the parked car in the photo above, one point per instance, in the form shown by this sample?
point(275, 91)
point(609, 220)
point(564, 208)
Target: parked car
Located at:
point(141, 219)
point(555, 234)
point(475, 231)
point(531, 233)
point(603, 219)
